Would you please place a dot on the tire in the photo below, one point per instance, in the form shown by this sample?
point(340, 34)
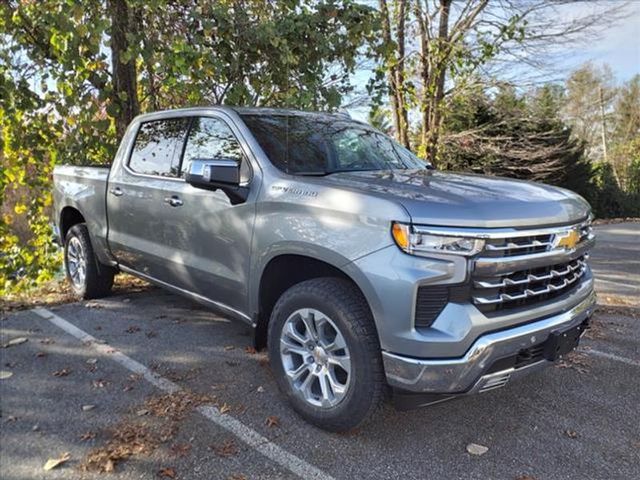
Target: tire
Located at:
point(332, 305)
point(87, 277)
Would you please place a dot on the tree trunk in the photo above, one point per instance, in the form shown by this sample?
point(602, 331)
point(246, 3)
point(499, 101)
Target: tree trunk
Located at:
point(422, 18)
point(391, 69)
point(434, 113)
point(403, 132)
point(125, 89)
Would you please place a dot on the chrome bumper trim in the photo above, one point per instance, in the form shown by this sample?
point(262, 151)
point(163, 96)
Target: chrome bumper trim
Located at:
point(459, 375)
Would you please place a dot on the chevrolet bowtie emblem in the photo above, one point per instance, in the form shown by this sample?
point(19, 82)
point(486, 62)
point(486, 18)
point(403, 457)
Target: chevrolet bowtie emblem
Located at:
point(568, 240)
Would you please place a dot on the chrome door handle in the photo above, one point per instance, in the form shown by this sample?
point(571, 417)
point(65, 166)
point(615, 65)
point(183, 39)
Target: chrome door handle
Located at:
point(173, 200)
point(116, 191)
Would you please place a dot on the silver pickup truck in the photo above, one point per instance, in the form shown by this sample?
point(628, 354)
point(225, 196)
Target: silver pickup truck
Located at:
point(362, 269)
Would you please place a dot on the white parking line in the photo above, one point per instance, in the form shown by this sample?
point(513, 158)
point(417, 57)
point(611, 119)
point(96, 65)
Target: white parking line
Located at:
point(612, 356)
point(619, 284)
point(244, 433)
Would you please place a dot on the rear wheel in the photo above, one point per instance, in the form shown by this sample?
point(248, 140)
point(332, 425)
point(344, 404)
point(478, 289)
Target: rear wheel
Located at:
point(325, 353)
point(87, 277)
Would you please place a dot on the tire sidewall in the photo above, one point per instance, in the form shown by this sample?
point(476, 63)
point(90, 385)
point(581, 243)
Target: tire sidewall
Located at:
point(361, 382)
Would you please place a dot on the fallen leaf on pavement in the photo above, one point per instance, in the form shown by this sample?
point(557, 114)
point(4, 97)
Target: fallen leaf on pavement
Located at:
point(476, 449)
point(4, 374)
point(272, 421)
point(142, 412)
point(54, 462)
point(126, 440)
point(86, 408)
point(167, 472)
point(228, 448)
point(178, 405)
point(180, 449)
point(87, 436)
point(225, 408)
point(14, 342)
point(571, 433)
point(236, 476)
point(62, 373)
point(250, 350)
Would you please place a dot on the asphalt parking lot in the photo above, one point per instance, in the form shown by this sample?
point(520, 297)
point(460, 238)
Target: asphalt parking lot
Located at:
point(150, 385)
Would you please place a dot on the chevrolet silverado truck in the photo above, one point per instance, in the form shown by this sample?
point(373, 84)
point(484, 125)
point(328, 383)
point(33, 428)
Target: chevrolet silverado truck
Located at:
point(363, 270)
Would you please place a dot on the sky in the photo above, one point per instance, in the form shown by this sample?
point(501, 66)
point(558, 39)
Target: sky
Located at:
point(618, 45)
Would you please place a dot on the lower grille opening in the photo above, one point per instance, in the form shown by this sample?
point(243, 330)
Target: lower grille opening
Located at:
point(524, 357)
point(432, 299)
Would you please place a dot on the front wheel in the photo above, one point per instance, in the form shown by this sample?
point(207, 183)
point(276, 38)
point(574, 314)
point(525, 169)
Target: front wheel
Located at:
point(87, 277)
point(325, 353)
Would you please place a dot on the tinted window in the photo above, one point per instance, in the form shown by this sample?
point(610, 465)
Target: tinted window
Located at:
point(212, 139)
point(158, 147)
point(318, 144)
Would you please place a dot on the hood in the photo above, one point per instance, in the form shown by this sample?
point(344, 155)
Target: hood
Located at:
point(465, 200)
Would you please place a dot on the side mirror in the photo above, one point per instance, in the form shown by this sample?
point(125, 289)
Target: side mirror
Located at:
point(214, 174)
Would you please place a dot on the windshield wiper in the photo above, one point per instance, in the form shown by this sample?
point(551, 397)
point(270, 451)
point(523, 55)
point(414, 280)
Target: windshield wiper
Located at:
point(309, 174)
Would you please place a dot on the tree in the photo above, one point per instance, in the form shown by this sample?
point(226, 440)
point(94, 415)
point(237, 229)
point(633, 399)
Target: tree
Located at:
point(625, 134)
point(457, 40)
point(590, 96)
point(74, 74)
point(518, 136)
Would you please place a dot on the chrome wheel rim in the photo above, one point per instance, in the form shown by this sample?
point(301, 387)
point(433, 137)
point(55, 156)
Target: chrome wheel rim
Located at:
point(76, 262)
point(315, 358)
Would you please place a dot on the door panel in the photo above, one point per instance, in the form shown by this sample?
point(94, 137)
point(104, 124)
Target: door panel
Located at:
point(209, 244)
point(136, 198)
point(210, 239)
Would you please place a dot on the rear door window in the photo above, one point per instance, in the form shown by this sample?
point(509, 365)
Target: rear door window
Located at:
point(158, 147)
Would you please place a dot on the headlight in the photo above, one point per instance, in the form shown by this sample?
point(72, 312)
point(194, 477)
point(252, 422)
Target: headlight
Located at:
point(420, 243)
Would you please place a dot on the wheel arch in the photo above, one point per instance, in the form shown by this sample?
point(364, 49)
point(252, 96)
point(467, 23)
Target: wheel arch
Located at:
point(281, 272)
point(69, 216)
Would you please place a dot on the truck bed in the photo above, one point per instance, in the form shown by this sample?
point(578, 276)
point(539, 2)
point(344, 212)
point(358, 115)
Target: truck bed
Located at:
point(83, 188)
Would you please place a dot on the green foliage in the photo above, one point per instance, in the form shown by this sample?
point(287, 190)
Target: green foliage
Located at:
point(634, 177)
point(608, 199)
point(525, 136)
point(59, 102)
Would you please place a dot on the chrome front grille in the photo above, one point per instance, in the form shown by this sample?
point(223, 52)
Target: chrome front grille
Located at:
point(528, 284)
point(518, 246)
point(525, 268)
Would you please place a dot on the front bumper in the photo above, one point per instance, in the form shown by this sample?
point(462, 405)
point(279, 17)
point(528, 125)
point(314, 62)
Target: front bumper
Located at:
point(473, 371)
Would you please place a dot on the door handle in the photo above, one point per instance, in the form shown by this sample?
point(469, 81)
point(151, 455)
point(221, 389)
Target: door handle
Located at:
point(116, 191)
point(173, 200)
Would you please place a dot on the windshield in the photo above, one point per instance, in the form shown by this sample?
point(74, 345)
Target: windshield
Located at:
point(320, 145)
